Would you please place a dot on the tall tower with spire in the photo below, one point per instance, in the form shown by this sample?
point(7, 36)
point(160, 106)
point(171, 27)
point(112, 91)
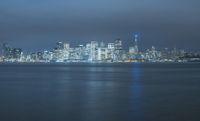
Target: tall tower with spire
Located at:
point(136, 43)
point(133, 51)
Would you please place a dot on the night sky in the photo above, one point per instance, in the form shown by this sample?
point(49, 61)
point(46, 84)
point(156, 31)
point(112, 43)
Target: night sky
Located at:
point(38, 24)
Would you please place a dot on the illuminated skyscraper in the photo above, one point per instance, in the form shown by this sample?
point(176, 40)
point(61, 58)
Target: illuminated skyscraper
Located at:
point(111, 50)
point(102, 52)
point(136, 43)
point(66, 48)
point(118, 50)
point(93, 51)
point(133, 51)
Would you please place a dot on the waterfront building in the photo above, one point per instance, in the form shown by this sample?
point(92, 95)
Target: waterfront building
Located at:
point(47, 56)
point(65, 51)
point(133, 50)
point(102, 54)
point(118, 50)
point(93, 51)
point(111, 51)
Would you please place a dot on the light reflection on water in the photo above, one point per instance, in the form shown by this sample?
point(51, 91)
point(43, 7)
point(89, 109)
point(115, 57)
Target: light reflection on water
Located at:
point(118, 92)
point(136, 91)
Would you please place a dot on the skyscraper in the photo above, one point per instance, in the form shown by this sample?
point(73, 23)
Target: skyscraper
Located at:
point(133, 51)
point(66, 48)
point(118, 50)
point(102, 52)
point(93, 51)
point(136, 43)
point(111, 50)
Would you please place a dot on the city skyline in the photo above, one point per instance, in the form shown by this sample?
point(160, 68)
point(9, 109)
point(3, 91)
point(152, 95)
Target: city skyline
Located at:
point(95, 51)
point(99, 60)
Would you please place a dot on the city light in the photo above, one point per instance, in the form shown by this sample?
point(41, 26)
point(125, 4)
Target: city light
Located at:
point(96, 52)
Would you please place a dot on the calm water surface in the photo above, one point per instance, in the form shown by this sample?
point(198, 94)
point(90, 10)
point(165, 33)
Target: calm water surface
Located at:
point(100, 92)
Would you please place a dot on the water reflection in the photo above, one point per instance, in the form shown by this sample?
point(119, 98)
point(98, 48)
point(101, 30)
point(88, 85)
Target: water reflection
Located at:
point(136, 91)
point(98, 91)
point(118, 92)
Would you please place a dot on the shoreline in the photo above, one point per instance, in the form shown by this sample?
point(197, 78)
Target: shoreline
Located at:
point(74, 63)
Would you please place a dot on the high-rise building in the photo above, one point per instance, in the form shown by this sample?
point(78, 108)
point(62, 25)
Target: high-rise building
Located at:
point(111, 51)
point(102, 52)
point(47, 56)
point(93, 51)
point(133, 50)
point(65, 53)
point(136, 43)
point(118, 50)
point(87, 51)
